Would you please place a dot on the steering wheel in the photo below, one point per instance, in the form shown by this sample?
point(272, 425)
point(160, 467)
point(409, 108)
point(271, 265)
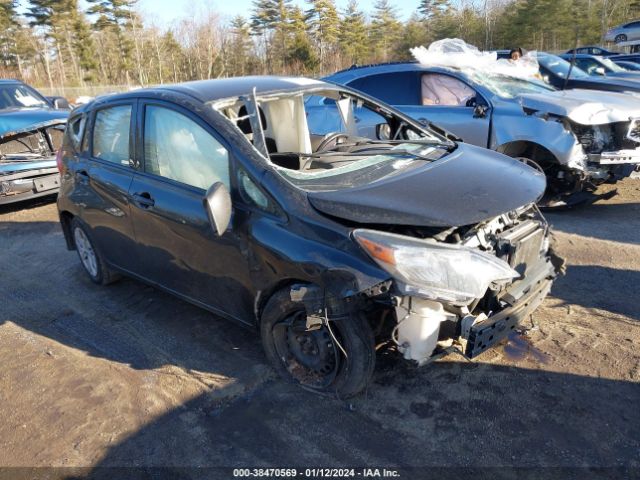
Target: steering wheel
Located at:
point(331, 140)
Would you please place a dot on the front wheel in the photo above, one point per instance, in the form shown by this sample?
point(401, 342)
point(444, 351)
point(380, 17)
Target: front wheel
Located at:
point(336, 358)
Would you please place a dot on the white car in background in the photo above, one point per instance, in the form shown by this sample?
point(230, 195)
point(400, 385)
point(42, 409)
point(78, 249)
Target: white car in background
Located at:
point(624, 33)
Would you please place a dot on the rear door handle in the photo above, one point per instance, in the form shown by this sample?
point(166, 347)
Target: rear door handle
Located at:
point(143, 200)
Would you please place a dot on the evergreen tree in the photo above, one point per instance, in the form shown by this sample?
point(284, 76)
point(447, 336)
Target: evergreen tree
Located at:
point(114, 19)
point(429, 9)
point(353, 39)
point(8, 27)
point(301, 56)
point(385, 29)
point(323, 24)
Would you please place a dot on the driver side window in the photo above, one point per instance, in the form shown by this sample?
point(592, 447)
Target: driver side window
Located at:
point(444, 90)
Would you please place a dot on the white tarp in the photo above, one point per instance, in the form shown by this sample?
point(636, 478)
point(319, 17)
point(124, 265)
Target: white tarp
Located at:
point(456, 53)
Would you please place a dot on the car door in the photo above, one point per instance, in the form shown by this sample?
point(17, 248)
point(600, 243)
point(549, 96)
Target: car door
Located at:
point(182, 156)
point(105, 173)
point(449, 103)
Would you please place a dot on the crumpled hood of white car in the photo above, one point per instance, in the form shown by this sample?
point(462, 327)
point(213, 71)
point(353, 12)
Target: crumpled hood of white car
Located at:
point(586, 107)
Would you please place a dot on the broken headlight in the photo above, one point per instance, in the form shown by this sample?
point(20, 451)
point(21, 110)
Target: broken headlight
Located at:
point(437, 271)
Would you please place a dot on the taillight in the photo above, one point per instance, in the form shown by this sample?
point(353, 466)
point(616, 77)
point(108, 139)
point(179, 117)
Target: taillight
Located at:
point(59, 155)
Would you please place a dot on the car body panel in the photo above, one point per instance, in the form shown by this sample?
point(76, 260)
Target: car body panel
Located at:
point(592, 50)
point(589, 64)
point(464, 188)
point(630, 31)
point(18, 119)
point(300, 236)
point(28, 175)
point(523, 125)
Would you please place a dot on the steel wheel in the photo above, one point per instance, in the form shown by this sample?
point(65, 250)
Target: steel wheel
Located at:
point(310, 357)
point(86, 252)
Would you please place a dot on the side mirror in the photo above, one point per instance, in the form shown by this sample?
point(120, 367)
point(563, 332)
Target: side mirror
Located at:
point(480, 111)
point(59, 103)
point(600, 71)
point(217, 203)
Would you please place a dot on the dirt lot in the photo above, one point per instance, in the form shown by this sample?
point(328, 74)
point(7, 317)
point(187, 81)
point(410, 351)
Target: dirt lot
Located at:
point(127, 376)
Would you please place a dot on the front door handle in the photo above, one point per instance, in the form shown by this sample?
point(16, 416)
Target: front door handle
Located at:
point(143, 200)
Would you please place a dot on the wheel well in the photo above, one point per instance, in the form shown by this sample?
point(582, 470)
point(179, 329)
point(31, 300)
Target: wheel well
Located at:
point(264, 295)
point(65, 222)
point(530, 150)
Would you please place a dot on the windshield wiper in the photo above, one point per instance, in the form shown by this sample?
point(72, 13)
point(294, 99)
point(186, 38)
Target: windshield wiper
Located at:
point(366, 153)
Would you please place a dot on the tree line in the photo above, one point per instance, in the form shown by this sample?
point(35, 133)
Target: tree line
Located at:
point(55, 43)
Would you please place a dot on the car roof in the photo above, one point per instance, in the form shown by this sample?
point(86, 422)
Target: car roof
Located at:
point(9, 81)
point(217, 89)
point(355, 71)
point(579, 55)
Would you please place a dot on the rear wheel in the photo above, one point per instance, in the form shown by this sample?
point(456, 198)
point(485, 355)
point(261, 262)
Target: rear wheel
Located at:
point(90, 257)
point(338, 357)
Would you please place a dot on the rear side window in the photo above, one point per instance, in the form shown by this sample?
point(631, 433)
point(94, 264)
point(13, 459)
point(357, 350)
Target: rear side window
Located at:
point(111, 134)
point(178, 148)
point(397, 88)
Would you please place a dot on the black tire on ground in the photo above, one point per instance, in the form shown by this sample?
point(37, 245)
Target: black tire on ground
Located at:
point(96, 269)
point(620, 38)
point(350, 375)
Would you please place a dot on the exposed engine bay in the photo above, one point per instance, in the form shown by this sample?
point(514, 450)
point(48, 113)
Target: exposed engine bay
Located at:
point(27, 162)
point(519, 238)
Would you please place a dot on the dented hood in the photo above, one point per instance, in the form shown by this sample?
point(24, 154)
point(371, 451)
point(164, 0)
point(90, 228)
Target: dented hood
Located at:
point(586, 107)
point(9, 134)
point(468, 186)
point(20, 119)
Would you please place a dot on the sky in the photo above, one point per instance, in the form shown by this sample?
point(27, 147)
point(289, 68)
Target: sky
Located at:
point(164, 12)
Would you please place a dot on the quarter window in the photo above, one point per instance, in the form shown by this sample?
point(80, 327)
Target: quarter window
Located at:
point(111, 134)
point(176, 147)
point(75, 131)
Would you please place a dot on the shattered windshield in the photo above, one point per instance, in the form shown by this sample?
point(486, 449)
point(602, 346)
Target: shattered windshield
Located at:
point(560, 67)
point(19, 96)
point(352, 170)
point(510, 87)
point(329, 139)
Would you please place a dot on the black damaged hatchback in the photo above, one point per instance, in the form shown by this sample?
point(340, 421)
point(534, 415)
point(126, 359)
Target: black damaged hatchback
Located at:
point(331, 239)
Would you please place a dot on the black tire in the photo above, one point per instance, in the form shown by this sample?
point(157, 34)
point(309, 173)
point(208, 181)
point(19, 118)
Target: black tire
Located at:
point(620, 38)
point(97, 270)
point(350, 375)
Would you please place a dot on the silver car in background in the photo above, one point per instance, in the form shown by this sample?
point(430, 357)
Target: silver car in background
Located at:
point(580, 140)
point(624, 33)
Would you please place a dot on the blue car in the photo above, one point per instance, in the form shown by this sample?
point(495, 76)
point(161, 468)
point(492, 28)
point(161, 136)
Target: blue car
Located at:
point(31, 129)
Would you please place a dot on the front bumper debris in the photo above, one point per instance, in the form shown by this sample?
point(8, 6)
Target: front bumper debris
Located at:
point(621, 157)
point(491, 330)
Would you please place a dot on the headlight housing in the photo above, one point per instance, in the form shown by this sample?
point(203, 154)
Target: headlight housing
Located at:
point(434, 270)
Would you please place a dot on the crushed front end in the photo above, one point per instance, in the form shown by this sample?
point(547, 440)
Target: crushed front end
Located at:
point(27, 162)
point(609, 152)
point(470, 285)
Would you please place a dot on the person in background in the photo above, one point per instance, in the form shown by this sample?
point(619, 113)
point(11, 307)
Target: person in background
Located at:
point(515, 54)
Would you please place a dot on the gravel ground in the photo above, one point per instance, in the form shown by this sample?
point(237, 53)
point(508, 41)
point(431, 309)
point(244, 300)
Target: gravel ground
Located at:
point(126, 376)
